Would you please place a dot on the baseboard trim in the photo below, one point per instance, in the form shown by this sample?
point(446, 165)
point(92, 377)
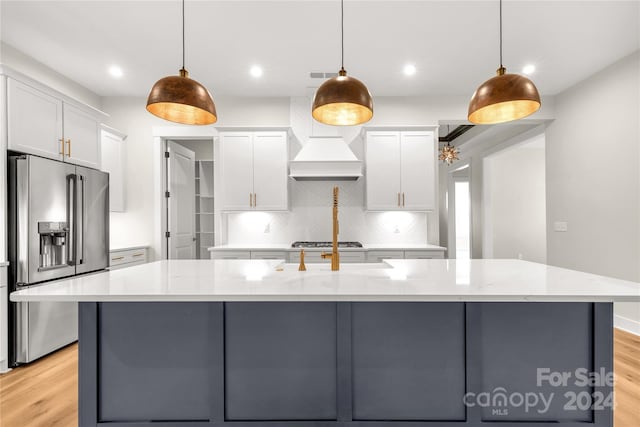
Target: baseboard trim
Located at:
point(626, 324)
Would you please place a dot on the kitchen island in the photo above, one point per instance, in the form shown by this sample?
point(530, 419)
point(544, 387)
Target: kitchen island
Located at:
point(403, 343)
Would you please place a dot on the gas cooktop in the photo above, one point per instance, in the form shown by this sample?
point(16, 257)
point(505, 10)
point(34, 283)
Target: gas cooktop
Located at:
point(325, 244)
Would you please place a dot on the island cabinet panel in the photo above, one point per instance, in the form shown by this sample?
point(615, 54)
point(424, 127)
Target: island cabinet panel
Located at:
point(280, 361)
point(342, 364)
point(408, 361)
point(153, 361)
point(517, 340)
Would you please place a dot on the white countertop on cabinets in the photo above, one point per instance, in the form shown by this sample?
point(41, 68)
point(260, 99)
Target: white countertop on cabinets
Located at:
point(394, 280)
point(365, 247)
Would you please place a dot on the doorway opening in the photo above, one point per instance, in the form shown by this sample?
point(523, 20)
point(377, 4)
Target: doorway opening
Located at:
point(459, 210)
point(514, 202)
point(189, 172)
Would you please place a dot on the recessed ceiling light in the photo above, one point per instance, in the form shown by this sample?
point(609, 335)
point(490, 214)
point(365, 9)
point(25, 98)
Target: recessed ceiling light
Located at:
point(256, 71)
point(409, 70)
point(116, 71)
point(529, 69)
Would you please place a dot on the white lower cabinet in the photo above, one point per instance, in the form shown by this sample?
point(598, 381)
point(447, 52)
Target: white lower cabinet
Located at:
point(418, 254)
point(315, 256)
point(122, 258)
point(230, 254)
point(379, 255)
point(269, 255)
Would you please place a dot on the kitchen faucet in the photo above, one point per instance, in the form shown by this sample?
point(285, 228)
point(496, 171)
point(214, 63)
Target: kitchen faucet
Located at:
point(334, 255)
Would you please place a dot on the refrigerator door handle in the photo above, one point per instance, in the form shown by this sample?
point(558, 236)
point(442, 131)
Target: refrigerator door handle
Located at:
point(80, 219)
point(72, 183)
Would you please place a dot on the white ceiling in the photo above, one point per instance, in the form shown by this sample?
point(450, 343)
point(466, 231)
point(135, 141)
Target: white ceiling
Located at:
point(454, 44)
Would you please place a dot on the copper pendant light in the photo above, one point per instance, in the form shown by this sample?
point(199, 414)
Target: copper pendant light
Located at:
point(180, 99)
point(505, 97)
point(342, 100)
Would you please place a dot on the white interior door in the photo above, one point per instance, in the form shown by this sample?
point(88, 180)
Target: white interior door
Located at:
point(181, 203)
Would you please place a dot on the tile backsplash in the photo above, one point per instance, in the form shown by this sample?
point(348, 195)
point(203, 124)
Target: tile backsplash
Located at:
point(310, 219)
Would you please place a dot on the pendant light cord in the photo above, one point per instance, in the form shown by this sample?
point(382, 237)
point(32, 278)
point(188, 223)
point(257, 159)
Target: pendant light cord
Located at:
point(182, 34)
point(500, 33)
point(342, 33)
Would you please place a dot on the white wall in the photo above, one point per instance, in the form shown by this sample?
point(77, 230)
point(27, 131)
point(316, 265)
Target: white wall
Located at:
point(593, 181)
point(40, 72)
point(203, 149)
point(514, 202)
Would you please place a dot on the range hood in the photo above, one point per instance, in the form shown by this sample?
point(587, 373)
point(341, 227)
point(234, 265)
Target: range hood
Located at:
point(325, 159)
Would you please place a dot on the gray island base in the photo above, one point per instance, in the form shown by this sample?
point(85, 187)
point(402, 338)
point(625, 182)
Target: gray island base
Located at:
point(360, 364)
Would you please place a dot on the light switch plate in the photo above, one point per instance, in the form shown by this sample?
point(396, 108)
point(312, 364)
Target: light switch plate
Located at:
point(561, 226)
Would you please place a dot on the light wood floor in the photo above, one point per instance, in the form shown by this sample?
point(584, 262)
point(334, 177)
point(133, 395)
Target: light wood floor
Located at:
point(44, 393)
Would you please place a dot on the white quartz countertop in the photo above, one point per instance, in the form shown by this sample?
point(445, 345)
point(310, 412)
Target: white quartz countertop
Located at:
point(365, 247)
point(395, 280)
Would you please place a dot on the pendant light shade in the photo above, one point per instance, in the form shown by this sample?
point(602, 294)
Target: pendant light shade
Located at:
point(342, 100)
point(180, 99)
point(505, 97)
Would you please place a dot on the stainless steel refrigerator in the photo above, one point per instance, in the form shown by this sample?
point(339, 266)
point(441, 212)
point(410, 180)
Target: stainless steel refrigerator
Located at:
point(58, 227)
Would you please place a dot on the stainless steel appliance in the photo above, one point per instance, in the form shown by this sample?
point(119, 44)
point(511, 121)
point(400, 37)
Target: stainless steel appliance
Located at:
point(304, 244)
point(58, 227)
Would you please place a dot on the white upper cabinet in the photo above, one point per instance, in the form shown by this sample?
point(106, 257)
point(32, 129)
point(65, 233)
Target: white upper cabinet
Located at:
point(236, 157)
point(34, 121)
point(417, 171)
point(113, 162)
point(44, 122)
point(401, 170)
point(253, 171)
point(383, 170)
point(82, 137)
point(270, 158)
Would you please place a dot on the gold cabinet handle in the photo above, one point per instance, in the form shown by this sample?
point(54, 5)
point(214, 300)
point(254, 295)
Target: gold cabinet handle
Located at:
point(250, 201)
point(61, 146)
point(255, 202)
point(118, 258)
point(398, 199)
point(68, 147)
point(136, 255)
point(403, 200)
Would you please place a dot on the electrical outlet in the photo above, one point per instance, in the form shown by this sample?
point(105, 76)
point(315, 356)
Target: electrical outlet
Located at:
point(561, 226)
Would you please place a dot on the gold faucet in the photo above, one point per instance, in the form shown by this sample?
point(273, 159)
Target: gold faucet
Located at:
point(334, 255)
point(302, 267)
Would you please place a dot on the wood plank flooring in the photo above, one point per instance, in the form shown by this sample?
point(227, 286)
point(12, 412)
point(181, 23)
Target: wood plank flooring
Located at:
point(44, 394)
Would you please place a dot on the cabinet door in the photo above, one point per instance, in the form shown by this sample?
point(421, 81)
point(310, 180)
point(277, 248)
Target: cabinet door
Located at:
point(378, 256)
point(113, 162)
point(236, 156)
point(418, 170)
point(408, 361)
point(280, 361)
point(26, 107)
point(82, 137)
point(270, 179)
point(383, 170)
